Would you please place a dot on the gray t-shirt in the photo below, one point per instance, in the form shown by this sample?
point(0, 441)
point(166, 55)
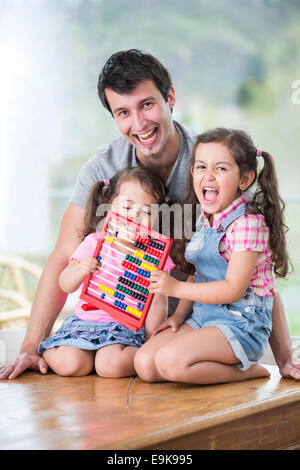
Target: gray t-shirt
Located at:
point(120, 154)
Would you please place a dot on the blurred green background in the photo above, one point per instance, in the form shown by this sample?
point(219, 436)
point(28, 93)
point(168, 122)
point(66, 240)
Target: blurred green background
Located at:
point(234, 63)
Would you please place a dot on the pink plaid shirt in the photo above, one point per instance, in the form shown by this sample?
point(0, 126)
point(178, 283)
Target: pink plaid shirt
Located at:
point(248, 233)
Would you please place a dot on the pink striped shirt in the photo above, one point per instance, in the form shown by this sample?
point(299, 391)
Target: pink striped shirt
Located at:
point(248, 233)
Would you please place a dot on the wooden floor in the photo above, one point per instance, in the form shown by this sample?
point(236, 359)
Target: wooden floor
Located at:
point(51, 412)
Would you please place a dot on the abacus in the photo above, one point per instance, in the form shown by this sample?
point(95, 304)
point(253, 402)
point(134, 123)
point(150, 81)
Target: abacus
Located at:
point(128, 253)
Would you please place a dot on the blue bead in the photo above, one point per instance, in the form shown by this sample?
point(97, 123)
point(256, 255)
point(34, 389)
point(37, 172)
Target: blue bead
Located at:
point(102, 296)
point(98, 258)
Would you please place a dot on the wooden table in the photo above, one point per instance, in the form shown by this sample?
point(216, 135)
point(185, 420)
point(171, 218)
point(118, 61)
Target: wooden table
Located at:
point(52, 412)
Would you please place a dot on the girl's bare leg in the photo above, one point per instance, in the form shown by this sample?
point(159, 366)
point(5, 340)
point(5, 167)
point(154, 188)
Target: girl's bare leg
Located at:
point(202, 356)
point(116, 360)
point(70, 361)
point(144, 360)
point(183, 357)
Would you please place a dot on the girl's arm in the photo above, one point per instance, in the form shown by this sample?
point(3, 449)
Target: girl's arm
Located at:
point(239, 273)
point(73, 275)
point(157, 313)
point(183, 310)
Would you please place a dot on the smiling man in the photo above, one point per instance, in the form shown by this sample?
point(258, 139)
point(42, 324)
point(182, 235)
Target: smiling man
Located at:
point(138, 91)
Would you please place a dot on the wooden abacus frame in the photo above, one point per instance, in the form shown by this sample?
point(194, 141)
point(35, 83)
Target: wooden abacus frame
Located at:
point(133, 318)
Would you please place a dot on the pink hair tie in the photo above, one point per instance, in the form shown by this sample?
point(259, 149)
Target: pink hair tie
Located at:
point(106, 182)
point(258, 153)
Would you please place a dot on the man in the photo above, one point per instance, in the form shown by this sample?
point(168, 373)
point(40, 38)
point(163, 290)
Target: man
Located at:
point(137, 90)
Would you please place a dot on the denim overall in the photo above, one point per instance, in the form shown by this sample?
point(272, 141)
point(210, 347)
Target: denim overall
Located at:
point(245, 323)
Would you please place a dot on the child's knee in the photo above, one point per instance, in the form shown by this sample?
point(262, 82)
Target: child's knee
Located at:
point(114, 362)
point(68, 363)
point(109, 365)
point(168, 363)
point(145, 366)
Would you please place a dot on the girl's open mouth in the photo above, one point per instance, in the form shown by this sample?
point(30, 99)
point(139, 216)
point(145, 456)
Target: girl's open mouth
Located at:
point(210, 194)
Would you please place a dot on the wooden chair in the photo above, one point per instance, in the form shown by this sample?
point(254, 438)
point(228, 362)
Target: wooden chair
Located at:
point(18, 280)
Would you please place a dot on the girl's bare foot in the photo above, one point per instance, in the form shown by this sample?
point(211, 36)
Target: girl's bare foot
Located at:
point(256, 371)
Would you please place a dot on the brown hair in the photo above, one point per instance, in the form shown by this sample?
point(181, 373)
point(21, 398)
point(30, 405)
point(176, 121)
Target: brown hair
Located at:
point(266, 199)
point(103, 192)
point(125, 70)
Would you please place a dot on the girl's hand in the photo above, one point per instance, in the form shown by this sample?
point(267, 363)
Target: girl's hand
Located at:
point(88, 265)
point(162, 283)
point(172, 322)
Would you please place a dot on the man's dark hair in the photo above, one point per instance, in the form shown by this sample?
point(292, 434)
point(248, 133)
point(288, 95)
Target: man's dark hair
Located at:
point(124, 70)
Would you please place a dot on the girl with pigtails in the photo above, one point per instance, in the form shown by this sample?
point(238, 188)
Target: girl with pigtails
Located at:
point(91, 339)
point(237, 248)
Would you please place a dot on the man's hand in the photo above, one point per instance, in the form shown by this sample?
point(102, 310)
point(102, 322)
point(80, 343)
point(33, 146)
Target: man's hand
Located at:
point(291, 368)
point(162, 283)
point(15, 367)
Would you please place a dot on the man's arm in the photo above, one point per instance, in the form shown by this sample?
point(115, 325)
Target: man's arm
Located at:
point(280, 342)
point(49, 298)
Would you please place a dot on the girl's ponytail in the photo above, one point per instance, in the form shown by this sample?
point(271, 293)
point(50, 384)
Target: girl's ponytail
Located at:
point(99, 194)
point(269, 203)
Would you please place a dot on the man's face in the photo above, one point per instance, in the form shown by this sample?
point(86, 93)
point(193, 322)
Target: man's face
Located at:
point(143, 117)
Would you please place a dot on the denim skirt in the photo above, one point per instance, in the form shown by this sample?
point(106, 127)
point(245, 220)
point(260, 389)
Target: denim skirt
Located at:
point(92, 335)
